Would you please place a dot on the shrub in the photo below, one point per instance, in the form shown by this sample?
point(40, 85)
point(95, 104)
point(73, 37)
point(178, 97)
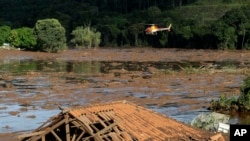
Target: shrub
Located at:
point(224, 103)
point(86, 36)
point(50, 35)
point(23, 38)
point(244, 98)
point(242, 103)
point(4, 33)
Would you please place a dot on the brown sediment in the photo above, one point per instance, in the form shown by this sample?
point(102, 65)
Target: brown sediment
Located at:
point(117, 80)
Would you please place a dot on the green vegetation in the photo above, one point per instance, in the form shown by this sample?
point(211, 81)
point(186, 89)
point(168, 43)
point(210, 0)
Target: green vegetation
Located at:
point(209, 121)
point(23, 38)
point(206, 24)
point(244, 99)
point(50, 35)
point(4, 33)
point(240, 104)
point(86, 37)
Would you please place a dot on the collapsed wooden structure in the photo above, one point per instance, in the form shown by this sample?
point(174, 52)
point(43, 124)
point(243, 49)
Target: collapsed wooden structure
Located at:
point(117, 121)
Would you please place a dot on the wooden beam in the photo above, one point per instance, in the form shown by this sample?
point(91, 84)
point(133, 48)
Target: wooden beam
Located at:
point(43, 138)
point(30, 134)
point(80, 136)
point(83, 121)
point(66, 117)
point(97, 136)
point(78, 125)
point(74, 137)
point(55, 135)
point(48, 130)
point(86, 123)
point(106, 128)
point(93, 126)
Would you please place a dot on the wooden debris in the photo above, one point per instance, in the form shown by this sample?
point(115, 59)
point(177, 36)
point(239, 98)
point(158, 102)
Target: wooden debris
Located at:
point(217, 137)
point(117, 121)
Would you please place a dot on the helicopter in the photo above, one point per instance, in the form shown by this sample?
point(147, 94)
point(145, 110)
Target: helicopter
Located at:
point(153, 29)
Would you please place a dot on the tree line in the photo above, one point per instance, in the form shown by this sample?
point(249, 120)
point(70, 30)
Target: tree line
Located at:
point(48, 35)
point(196, 24)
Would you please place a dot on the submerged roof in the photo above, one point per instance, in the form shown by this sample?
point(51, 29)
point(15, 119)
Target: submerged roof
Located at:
point(113, 121)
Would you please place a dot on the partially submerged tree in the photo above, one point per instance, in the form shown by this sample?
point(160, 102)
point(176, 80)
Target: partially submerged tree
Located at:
point(50, 35)
point(86, 37)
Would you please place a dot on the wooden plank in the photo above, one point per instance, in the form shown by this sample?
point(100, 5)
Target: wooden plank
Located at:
point(80, 136)
point(92, 117)
point(116, 130)
point(126, 136)
point(48, 130)
point(67, 127)
point(114, 136)
point(93, 126)
point(30, 134)
point(85, 124)
point(105, 117)
point(97, 138)
point(106, 138)
point(84, 119)
point(43, 138)
point(105, 129)
point(78, 125)
point(55, 135)
point(102, 123)
point(110, 114)
point(74, 137)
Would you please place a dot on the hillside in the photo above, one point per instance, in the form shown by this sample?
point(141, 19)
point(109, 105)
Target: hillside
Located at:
point(208, 10)
point(122, 23)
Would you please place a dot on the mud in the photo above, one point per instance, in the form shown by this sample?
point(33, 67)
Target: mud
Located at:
point(180, 94)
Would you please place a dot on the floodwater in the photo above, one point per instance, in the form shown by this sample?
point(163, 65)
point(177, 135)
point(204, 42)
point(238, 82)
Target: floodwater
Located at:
point(31, 91)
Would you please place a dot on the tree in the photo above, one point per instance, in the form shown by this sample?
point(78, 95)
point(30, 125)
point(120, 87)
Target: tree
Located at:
point(244, 29)
point(86, 36)
point(154, 12)
point(225, 35)
point(227, 1)
point(22, 38)
point(232, 30)
point(13, 38)
point(50, 35)
point(135, 30)
point(4, 33)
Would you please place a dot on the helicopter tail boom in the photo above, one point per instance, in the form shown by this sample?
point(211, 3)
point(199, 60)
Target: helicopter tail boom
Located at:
point(167, 28)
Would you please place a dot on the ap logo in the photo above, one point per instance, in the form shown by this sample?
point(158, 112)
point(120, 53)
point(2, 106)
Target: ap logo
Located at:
point(239, 132)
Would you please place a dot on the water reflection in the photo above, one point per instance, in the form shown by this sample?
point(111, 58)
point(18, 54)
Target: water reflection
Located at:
point(90, 67)
point(51, 66)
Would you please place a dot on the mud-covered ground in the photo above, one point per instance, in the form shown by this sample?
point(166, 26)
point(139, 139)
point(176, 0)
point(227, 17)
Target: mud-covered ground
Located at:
point(151, 87)
point(132, 54)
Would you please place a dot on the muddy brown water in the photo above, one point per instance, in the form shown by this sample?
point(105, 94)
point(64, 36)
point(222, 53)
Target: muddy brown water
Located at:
point(31, 94)
point(32, 90)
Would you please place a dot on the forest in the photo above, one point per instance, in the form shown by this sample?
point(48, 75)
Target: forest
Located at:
point(198, 24)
